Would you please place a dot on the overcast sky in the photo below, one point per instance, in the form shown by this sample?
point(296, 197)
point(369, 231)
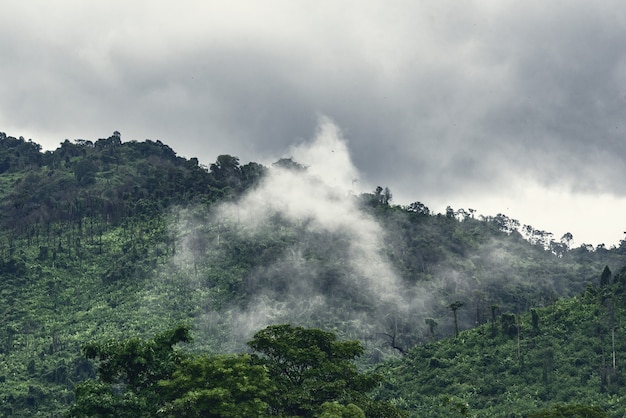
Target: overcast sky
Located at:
point(516, 107)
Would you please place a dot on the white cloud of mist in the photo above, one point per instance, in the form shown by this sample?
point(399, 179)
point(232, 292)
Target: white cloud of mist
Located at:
point(329, 261)
point(322, 196)
point(320, 200)
point(328, 157)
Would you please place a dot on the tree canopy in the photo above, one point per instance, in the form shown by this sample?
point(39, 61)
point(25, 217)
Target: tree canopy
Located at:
point(297, 372)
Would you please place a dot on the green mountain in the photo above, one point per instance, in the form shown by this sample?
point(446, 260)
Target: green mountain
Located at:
point(110, 240)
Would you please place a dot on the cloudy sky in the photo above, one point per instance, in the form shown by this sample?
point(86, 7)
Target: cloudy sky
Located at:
point(504, 106)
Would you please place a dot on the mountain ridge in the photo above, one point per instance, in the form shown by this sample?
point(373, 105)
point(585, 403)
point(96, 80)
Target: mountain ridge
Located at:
point(112, 239)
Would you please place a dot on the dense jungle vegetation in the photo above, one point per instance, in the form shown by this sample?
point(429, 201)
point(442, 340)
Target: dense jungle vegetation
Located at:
point(528, 364)
point(112, 241)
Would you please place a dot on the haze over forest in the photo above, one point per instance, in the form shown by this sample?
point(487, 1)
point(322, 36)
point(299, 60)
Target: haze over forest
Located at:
point(120, 240)
point(436, 184)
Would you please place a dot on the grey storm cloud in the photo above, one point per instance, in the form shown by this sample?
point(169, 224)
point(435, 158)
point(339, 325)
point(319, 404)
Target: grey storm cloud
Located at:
point(436, 99)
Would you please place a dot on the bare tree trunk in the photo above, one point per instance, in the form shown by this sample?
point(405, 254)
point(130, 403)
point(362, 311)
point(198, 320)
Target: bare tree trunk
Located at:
point(519, 332)
point(613, 345)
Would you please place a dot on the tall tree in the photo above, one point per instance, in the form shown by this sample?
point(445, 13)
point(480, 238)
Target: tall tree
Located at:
point(311, 367)
point(432, 324)
point(455, 307)
point(226, 171)
point(219, 386)
point(605, 277)
point(128, 372)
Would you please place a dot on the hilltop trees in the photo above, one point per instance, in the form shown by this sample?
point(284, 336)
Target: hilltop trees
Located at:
point(111, 180)
point(381, 197)
point(418, 208)
point(18, 154)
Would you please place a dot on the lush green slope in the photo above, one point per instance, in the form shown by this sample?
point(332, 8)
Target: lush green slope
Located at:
point(571, 352)
point(78, 250)
point(482, 263)
point(108, 239)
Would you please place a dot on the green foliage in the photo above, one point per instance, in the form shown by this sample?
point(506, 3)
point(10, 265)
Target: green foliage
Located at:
point(135, 362)
point(217, 386)
point(455, 307)
point(605, 277)
point(304, 372)
point(128, 373)
point(85, 245)
point(115, 241)
point(336, 410)
point(17, 154)
point(570, 411)
point(570, 366)
point(98, 399)
point(114, 180)
point(310, 367)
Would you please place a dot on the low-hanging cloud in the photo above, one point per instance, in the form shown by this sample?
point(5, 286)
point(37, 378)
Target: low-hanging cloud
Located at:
point(335, 272)
point(301, 248)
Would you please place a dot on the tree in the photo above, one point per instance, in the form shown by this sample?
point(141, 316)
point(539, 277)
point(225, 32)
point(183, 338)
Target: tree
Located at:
point(85, 172)
point(310, 367)
point(251, 173)
point(387, 196)
point(493, 308)
point(507, 224)
point(535, 320)
point(138, 378)
point(509, 324)
point(418, 208)
point(567, 239)
point(298, 372)
point(289, 164)
point(128, 372)
point(558, 248)
point(394, 335)
point(607, 296)
point(432, 324)
point(217, 386)
point(548, 365)
point(382, 195)
point(455, 307)
point(226, 171)
point(605, 277)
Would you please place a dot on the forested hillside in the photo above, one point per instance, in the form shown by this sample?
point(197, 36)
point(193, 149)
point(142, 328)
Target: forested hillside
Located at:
point(110, 240)
point(569, 353)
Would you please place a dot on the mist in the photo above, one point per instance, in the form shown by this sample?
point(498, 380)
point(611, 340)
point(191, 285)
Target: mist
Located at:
point(319, 259)
point(307, 246)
